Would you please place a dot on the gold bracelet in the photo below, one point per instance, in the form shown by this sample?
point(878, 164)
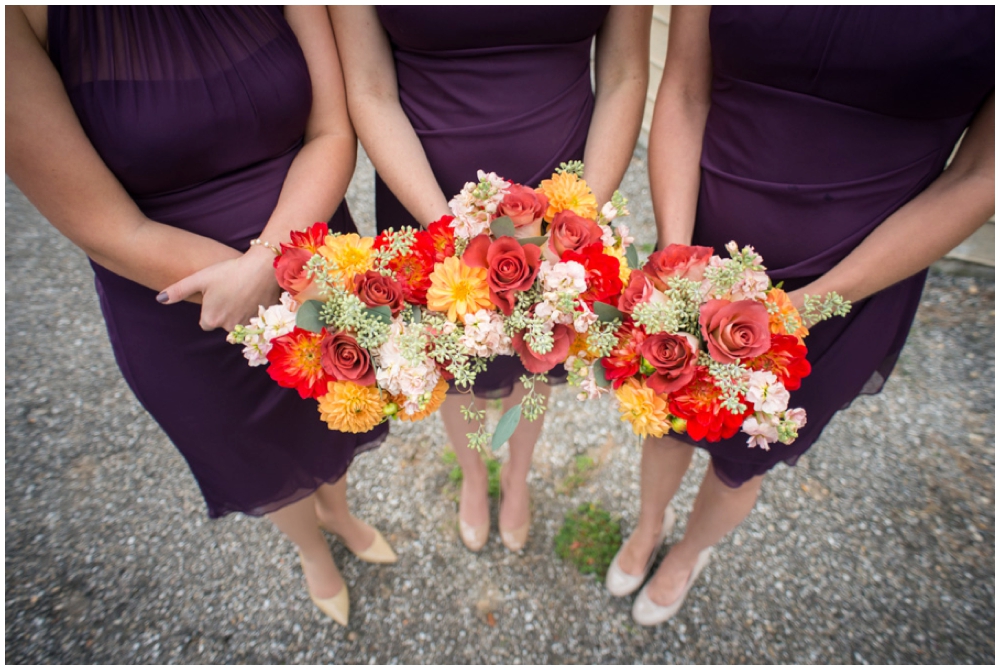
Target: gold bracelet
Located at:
point(267, 245)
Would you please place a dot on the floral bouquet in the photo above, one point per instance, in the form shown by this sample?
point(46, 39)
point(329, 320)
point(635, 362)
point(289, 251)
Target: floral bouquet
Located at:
point(513, 290)
point(353, 330)
point(703, 345)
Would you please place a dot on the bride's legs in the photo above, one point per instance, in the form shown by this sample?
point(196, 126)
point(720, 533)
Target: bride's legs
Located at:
point(718, 509)
point(335, 516)
point(515, 511)
point(474, 507)
point(299, 524)
point(664, 462)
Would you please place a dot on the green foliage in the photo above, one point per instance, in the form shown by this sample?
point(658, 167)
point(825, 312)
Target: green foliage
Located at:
point(575, 167)
point(589, 539)
point(583, 467)
point(492, 471)
point(818, 308)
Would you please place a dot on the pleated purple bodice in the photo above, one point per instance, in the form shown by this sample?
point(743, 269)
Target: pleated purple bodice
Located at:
point(199, 112)
point(823, 122)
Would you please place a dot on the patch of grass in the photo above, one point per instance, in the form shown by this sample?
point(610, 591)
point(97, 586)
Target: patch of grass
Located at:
point(589, 539)
point(583, 467)
point(492, 470)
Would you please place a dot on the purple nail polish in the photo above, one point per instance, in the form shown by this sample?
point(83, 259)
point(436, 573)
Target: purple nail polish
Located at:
point(162, 297)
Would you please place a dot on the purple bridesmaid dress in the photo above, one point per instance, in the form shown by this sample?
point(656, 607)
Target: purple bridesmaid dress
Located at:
point(199, 113)
point(823, 122)
point(496, 89)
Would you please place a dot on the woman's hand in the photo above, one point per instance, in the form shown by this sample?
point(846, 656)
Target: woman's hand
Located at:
point(231, 291)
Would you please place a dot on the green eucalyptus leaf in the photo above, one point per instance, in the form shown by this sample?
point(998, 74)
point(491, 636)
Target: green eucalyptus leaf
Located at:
point(539, 241)
point(505, 427)
point(599, 376)
point(382, 312)
point(415, 313)
point(307, 316)
point(607, 313)
point(502, 227)
point(632, 256)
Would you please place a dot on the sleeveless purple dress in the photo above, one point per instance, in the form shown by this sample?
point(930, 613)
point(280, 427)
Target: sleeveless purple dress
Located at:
point(823, 122)
point(488, 88)
point(199, 112)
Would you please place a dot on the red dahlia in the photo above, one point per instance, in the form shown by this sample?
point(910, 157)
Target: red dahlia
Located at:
point(603, 273)
point(295, 363)
point(786, 359)
point(624, 360)
point(699, 403)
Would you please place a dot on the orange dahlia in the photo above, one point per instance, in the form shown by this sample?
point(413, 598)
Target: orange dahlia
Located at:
point(351, 408)
point(568, 191)
point(295, 362)
point(437, 397)
point(458, 289)
point(776, 322)
point(642, 407)
point(349, 254)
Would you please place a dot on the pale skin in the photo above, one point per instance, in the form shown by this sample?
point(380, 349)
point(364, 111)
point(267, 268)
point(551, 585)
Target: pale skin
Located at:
point(54, 164)
point(905, 243)
point(621, 73)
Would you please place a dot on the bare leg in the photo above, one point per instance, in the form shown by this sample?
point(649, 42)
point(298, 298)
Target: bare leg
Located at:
point(335, 516)
point(516, 499)
point(299, 524)
point(718, 509)
point(474, 505)
point(664, 463)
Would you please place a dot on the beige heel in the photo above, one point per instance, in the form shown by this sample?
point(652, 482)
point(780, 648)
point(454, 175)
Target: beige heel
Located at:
point(336, 607)
point(516, 538)
point(378, 552)
point(473, 537)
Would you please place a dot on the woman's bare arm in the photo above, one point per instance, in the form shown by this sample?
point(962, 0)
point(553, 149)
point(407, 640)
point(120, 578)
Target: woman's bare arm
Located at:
point(621, 64)
point(926, 228)
point(54, 164)
point(678, 127)
point(373, 100)
point(313, 188)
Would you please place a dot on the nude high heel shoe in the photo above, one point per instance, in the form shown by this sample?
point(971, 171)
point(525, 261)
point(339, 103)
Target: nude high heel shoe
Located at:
point(620, 583)
point(645, 612)
point(473, 537)
point(516, 538)
point(337, 607)
point(379, 551)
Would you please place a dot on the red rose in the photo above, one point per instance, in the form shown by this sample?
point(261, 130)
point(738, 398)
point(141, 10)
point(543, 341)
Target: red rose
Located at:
point(562, 337)
point(525, 207)
point(510, 267)
point(735, 330)
point(603, 278)
point(376, 290)
point(290, 269)
point(343, 359)
point(639, 290)
point(674, 357)
point(570, 232)
point(677, 260)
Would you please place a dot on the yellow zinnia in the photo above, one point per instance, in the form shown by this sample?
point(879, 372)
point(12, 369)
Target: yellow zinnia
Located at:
point(437, 397)
point(351, 408)
point(348, 255)
point(643, 408)
point(567, 191)
point(458, 289)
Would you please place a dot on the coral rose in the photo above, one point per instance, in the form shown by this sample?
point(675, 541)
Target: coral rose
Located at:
point(290, 269)
point(639, 290)
point(343, 359)
point(677, 260)
point(376, 290)
point(674, 357)
point(571, 232)
point(525, 207)
point(510, 267)
point(562, 338)
point(735, 330)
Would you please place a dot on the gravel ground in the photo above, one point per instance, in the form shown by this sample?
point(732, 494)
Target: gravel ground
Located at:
point(877, 548)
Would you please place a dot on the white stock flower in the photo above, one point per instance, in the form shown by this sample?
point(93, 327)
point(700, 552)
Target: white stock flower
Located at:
point(761, 432)
point(609, 212)
point(398, 376)
point(584, 319)
point(752, 286)
point(796, 415)
point(563, 277)
point(767, 394)
point(484, 335)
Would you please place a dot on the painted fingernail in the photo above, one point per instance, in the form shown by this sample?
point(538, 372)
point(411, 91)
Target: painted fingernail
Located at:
point(162, 297)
